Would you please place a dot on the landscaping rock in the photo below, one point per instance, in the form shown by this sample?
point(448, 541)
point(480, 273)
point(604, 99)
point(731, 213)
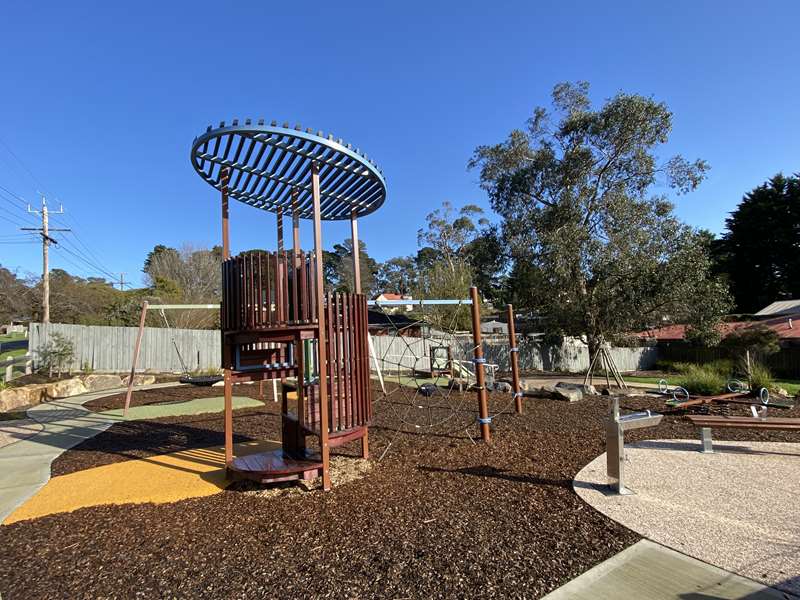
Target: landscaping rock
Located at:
point(616, 391)
point(560, 391)
point(65, 388)
point(99, 383)
point(503, 387)
point(140, 379)
point(568, 392)
point(13, 398)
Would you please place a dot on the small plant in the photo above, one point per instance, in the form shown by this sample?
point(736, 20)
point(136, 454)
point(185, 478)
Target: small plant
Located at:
point(3, 385)
point(56, 355)
point(760, 377)
point(86, 368)
point(702, 381)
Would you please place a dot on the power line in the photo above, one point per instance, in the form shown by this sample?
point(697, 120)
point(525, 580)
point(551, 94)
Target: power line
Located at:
point(23, 165)
point(16, 197)
point(73, 222)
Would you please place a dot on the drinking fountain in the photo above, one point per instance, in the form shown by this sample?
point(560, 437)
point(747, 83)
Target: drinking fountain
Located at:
point(615, 441)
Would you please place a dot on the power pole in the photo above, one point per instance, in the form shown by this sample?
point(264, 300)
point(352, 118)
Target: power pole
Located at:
point(121, 282)
point(44, 231)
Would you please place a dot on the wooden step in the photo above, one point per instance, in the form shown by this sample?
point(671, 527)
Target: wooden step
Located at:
point(275, 465)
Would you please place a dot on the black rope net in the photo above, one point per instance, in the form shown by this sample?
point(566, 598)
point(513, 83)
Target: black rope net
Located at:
point(427, 370)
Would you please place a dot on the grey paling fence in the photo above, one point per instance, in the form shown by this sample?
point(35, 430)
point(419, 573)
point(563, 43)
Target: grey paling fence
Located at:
point(111, 348)
point(406, 353)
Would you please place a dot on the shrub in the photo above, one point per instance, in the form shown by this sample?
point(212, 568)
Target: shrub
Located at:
point(760, 377)
point(759, 340)
point(723, 366)
point(56, 355)
point(701, 380)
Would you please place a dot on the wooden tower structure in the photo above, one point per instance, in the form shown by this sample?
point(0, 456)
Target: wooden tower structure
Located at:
point(277, 320)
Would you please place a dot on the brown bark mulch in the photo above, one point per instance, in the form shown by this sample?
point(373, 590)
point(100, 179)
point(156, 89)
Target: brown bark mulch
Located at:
point(438, 517)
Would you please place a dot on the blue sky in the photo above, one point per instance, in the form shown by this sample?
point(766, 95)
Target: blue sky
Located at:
point(100, 103)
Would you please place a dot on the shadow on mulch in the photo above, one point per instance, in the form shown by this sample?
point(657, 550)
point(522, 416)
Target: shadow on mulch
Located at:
point(489, 471)
point(438, 517)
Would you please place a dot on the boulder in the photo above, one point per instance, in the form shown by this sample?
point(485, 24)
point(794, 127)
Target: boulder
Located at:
point(616, 391)
point(568, 391)
point(560, 391)
point(503, 387)
point(140, 379)
point(66, 388)
point(26, 395)
point(99, 383)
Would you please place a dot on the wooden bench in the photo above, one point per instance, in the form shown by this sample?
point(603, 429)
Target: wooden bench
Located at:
point(708, 422)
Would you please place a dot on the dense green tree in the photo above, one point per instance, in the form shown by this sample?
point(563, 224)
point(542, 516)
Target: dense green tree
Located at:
point(17, 297)
point(760, 249)
point(486, 256)
point(574, 192)
point(397, 275)
point(338, 268)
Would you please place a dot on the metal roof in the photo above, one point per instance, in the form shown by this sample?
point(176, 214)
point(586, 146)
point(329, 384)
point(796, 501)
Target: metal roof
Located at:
point(265, 163)
point(781, 307)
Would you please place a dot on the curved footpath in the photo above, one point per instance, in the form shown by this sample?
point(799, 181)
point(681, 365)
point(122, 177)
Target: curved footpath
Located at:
point(734, 509)
point(54, 427)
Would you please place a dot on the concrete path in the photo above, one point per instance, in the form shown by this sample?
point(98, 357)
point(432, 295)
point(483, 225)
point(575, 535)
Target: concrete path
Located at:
point(64, 423)
point(655, 572)
point(735, 508)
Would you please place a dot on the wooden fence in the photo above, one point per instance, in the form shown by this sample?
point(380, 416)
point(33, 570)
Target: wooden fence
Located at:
point(111, 348)
point(406, 353)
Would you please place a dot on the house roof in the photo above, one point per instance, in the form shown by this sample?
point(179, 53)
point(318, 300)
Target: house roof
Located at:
point(378, 318)
point(491, 326)
point(389, 296)
point(783, 326)
point(781, 307)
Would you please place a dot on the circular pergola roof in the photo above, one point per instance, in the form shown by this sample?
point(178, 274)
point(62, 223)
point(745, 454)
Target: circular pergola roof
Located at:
point(266, 164)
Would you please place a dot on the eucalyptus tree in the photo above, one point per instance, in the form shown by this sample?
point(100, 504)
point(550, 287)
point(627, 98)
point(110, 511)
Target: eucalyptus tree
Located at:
point(576, 190)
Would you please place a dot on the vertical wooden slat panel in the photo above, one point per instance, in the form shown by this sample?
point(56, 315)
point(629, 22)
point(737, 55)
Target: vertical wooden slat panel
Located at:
point(330, 369)
point(347, 352)
point(339, 362)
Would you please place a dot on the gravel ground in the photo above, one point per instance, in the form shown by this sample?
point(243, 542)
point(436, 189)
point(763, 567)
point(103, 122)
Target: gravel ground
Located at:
point(437, 517)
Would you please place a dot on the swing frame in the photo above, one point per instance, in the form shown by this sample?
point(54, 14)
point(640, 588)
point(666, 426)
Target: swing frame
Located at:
point(140, 334)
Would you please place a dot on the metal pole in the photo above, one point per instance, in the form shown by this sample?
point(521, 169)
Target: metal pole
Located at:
point(480, 376)
point(356, 253)
point(323, 361)
point(295, 225)
point(136, 349)
point(279, 215)
point(227, 380)
point(514, 354)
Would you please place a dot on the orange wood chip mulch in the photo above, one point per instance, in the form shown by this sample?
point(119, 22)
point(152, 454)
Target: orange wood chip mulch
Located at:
point(438, 517)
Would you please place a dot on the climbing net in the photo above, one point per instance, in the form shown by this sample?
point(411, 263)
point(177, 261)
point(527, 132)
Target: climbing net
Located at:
point(426, 366)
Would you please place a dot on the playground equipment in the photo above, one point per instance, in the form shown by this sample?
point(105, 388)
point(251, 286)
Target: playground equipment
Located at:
point(604, 360)
point(187, 376)
point(430, 368)
point(277, 320)
point(616, 427)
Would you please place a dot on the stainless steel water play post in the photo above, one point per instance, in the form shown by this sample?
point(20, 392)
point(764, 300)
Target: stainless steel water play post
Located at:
point(615, 441)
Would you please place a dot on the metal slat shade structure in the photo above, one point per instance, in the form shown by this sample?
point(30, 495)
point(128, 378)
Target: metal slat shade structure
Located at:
point(270, 167)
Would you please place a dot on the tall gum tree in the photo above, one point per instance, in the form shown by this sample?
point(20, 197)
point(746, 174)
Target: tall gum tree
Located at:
point(575, 192)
